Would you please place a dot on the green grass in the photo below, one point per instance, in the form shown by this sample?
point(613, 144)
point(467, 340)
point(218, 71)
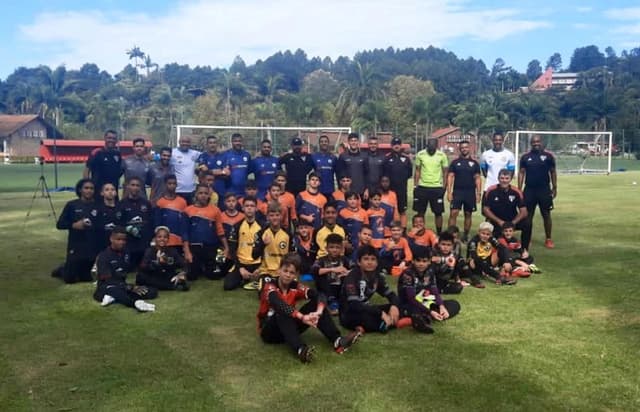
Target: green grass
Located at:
point(563, 340)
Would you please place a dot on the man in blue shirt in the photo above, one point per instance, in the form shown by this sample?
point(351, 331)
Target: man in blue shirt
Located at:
point(216, 162)
point(238, 161)
point(324, 165)
point(264, 168)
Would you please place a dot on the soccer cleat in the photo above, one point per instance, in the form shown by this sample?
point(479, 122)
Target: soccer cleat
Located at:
point(534, 269)
point(253, 285)
point(506, 280)
point(182, 286)
point(306, 353)
point(343, 343)
point(549, 244)
point(333, 307)
point(520, 272)
point(477, 283)
point(421, 323)
point(57, 272)
point(143, 306)
point(107, 300)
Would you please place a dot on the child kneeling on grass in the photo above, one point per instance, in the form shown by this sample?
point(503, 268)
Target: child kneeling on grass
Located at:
point(279, 321)
point(520, 259)
point(483, 253)
point(113, 264)
point(162, 266)
point(420, 299)
point(358, 287)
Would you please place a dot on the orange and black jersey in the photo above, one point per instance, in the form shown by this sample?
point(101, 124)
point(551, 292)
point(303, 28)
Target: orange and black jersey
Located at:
point(205, 225)
point(170, 213)
point(352, 221)
point(377, 223)
point(288, 208)
point(283, 302)
point(306, 249)
point(389, 202)
point(272, 253)
point(245, 240)
point(424, 238)
point(308, 203)
point(339, 199)
point(229, 222)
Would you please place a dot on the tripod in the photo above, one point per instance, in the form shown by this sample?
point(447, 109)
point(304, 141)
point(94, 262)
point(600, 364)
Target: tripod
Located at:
point(43, 189)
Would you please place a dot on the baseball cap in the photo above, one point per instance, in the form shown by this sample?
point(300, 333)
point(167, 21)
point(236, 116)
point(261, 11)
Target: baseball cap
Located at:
point(296, 141)
point(396, 140)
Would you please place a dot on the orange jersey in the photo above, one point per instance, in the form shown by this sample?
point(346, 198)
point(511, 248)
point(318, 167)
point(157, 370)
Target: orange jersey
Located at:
point(352, 221)
point(229, 222)
point(424, 237)
point(287, 204)
point(376, 220)
point(397, 253)
point(205, 225)
point(311, 204)
point(170, 213)
point(389, 202)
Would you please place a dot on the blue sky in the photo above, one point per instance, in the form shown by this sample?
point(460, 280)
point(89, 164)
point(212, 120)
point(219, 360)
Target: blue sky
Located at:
point(213, 32)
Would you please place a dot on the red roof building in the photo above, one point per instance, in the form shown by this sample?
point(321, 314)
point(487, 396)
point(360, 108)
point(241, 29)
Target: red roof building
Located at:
point(77, 151)
point(449, 137)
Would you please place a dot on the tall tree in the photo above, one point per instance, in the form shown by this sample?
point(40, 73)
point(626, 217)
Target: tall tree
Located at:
point(585, 58)
point(534, 70)
point(136, 53)
point(555, 62)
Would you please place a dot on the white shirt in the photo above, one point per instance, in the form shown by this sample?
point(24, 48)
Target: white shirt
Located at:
point(184, 164)
point(493, 162)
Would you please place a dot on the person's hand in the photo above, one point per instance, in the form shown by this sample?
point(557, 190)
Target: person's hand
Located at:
point(162, 257)
point(436, 315)
point(444, 312)
point(365, 195)
point(507, 266)
point(267, 238)
point(451, 261)
point(226, 253)
point(387, 319)
point(449, 197)
point(525, 254)
point(245, 273)
point(188, 256)
point(203, 168)
point(311, 320)
point(226, 171)
point(394, 313)
point(554, 192)
point(478, 197)
point(140, 290)
point(79, 225)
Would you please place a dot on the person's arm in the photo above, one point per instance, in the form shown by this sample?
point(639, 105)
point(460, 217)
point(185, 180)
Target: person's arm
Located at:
point(258, 245)
point(554, 182)
point(483, 165)
point(409, 292)
point(478, 187)
point(416, 176)
point(522, 214)
point(450, 179)
point(408, 255)
point(521, 173)
point(445, 169)
point(486, 211)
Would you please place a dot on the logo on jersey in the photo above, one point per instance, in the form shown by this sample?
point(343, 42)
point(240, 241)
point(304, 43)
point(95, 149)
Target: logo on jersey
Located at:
point(459, 164)
point(282, 245)
point(304, 158)
point(143, 208)
point(273, 165)
point(94, 213)
point(219, 162)
point(543, 158)
point(363, 288)
point(470, 163)
point(403, 159)
point(244, 158)
point(330, 161)
point(512, 198)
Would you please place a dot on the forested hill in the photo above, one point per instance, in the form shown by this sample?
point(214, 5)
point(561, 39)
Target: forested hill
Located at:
point(403, 91)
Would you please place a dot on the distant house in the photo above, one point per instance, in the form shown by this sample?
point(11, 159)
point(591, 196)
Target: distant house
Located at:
point(21, 134)
point(449, 137)
point(549, 79)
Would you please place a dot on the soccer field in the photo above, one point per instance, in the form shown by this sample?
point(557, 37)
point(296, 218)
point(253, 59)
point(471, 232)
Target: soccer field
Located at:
point(563, 340)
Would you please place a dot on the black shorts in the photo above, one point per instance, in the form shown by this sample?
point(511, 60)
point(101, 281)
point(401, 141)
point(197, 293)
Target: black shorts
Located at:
point(464, 199)
point(402, 200)
point(428, 196)
point(541, 197)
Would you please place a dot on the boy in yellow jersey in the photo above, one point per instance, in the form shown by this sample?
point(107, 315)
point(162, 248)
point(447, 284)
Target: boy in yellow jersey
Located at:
point(272, 243)
point(330, 218)
point(246, 266)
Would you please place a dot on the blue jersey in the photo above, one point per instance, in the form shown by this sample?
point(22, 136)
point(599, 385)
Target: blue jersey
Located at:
point(238, 162)
point(264, 169)
point(215, 161)
point(324, 164)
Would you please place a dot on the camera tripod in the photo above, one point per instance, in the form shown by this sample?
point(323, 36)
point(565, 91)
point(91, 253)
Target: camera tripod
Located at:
point(43, 189)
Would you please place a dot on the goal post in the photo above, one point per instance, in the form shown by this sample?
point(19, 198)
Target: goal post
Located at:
point(575, 152)
point(280, 137)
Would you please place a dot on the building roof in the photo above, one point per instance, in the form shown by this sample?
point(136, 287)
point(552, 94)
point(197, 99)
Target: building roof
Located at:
point(445, 131)
point(9, 123)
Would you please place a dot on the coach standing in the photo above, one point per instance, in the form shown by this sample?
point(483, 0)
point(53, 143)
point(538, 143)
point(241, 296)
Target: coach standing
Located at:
point(537, 171)
point(353, 163)
point(184, 160)
point(504, 203)
point(214, 161)
point(297, 165)
point(157, 172)
point(324, 164)
point(105, 165)
point(431, 169)
point(238, 161)
point(464, 187)
point(375, 163)
point(264, 168)
point(397, 167)
point(496, 159)
point(137, 165)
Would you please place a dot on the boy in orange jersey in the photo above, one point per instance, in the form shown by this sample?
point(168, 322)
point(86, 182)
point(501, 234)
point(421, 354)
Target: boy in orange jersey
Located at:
point(340, 196)
point(389, 202)
point(286, 199)
point(205, 234)
point(351, 218)
point(419, 236)
point(365, 237)
point(169, 212)
point(396, 253)
point(209, 179)
point(310, 203)
point(376, 215)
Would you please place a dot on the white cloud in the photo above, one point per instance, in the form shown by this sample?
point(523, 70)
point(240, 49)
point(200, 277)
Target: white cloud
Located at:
point(585, 9)
point(213, 33)
point(582, 26)
point(628, 13)
point(630, 30)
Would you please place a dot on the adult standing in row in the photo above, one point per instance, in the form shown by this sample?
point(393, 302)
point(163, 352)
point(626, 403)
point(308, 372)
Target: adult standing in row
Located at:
point(184, 160)
point(297, 165)
point(431, 169)
point(375, 163)
point(264, 168)
point(215, 161)
point(324, 164)
point(397, 167)
point(353, 163)
point(157, 172)
point(537, 172)
point(496, 159)
point(105, 165)
point(137, 165)
point(238, 160)
point(464, 187)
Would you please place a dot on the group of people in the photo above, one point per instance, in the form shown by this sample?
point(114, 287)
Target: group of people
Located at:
point(204, 217)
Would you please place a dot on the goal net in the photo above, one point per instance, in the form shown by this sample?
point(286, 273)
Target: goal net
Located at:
point(280, 137)
point(575, 152)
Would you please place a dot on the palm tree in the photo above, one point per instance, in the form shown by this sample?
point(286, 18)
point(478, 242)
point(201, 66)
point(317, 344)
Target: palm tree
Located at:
point(136, 53)
point(365, 87)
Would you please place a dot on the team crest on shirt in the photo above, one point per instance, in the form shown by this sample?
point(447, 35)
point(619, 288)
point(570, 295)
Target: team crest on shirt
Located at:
point(244, 158)
point(116, 158)
point(458, 164)
point(403, 159)
point(94, 213)
point(330, 161)
point(543, 158)
point(512, 198)
point(273, 165)
point(470, 163)
point(282, 245)
point(219, 162)
point(143, 208)
point(304, 158)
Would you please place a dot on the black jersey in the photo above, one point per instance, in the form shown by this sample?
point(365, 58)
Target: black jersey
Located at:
point(359, 287)
point(328, 262)
point(537, 165)
point(106, 167)
point(375, 165)
point(81, 243)
point(465, 171)
point(398, 168)
point(297, 168)
point(162, 263)
point(504, 203)
point(109, 218)
point(413, 283)
point(355, 166)
point(135, 215)
point(112, 267)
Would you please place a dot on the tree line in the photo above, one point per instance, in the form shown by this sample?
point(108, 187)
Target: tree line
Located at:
point(408, 92)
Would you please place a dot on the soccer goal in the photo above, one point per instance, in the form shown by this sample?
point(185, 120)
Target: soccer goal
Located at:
point(576, 152)
point(280, 137)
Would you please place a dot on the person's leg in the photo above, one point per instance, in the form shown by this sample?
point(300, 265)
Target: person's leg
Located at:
point(119, 294)
point(452, 288)
point(325, 323)
point(525, 226)
point(546, 205)
point(157, 282)
point(453, 217)
point(209, 262)
point(420, 201)
point(290, 329)
point(196, 266)
point(270, 332)
point(436, 202)
point(322, 284)
point(233, 280)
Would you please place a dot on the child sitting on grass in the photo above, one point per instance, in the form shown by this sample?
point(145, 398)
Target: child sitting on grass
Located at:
point(328, 271)
point(444, 265)
point(396, 253)
point(419, 236)
point(420, 300)
point(162, 266)
point(520, 259)
point(113, 264)
point(279, 321)
point(483, 254)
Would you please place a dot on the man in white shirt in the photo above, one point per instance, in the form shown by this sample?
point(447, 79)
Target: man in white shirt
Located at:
point(496, 159)
point(184, 160)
